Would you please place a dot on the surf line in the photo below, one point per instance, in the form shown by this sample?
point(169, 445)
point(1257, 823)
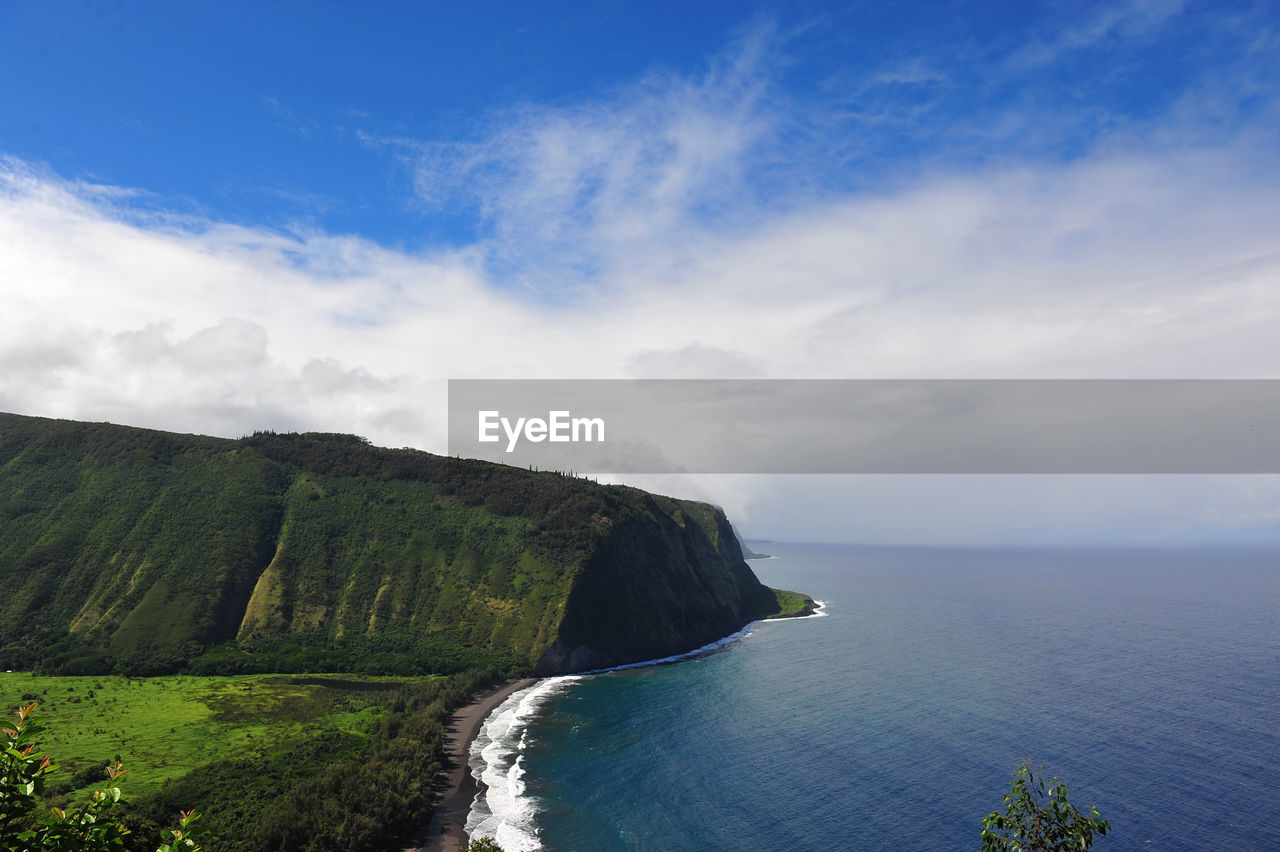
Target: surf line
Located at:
point(501, 808)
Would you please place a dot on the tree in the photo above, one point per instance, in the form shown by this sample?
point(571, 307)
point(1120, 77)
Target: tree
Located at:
point(90, 825)
point(1038, 818)
point(483, 844)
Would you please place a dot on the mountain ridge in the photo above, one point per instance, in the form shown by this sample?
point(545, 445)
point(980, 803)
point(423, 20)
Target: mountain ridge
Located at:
point(144, 551)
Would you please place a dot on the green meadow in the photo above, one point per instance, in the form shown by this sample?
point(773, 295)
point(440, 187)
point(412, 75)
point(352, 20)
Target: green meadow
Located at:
point(164, 727)
point(324, 762)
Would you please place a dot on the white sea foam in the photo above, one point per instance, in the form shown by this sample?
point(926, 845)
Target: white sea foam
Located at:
point(675, 658)
point(502, 809)
point(819, 611)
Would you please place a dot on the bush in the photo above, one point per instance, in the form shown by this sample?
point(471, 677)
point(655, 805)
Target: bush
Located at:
point(95, 824)
point(483, 844)
point(1038, 818)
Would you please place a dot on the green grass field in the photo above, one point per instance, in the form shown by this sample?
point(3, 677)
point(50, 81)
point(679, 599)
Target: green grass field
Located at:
point(163, 727)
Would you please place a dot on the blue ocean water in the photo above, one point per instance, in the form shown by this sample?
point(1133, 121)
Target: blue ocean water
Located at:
point(1148, 679)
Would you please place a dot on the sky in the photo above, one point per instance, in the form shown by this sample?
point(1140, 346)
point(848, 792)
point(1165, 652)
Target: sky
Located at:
point(225, 217)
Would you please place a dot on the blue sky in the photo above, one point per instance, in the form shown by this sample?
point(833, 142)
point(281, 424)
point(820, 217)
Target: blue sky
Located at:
point(284, 113)
point(319, 115)
point(224, 217)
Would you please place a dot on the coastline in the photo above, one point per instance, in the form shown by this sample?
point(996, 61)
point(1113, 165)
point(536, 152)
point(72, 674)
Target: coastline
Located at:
point(458, 790)
point(818, 610)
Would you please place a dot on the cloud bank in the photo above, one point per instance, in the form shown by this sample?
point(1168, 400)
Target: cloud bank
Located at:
point(661, 230)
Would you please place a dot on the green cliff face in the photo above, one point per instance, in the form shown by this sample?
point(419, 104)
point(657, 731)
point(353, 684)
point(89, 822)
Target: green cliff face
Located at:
point(150, 551)
point(668, 578)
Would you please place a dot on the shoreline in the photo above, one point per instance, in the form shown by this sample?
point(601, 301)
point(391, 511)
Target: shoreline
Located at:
point(445, 832)
point(818, 610)
point(457, 789)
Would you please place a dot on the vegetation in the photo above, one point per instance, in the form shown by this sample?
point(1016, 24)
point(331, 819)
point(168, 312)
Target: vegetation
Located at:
point(280, 763)
point(127, 553)
point(483, 844)
point(792, 604)
point(164, 727)
point(95, 824)
point(140, 552)
point(137, 552)
point(1038, 818)
point(377, 799)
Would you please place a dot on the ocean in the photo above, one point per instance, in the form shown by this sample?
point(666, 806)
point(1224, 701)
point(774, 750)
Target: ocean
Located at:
point(1148, 679)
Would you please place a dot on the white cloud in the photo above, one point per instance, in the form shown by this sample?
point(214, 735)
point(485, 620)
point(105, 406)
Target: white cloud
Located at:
point(287, 119)
point(1127, 20)
point(573, 193)
point(647, 252)
point(975, 510)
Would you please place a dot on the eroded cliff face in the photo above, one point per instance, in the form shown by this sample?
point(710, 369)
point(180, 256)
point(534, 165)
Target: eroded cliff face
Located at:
point(669, 578)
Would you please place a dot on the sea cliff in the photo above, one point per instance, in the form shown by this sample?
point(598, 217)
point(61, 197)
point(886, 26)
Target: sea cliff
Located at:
point(148, 552)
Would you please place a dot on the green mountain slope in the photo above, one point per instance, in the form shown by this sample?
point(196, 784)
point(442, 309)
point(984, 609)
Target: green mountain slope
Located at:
point(149, 551)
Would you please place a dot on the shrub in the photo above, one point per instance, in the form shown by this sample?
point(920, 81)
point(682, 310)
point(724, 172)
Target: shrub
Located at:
point(1038, 818)
point(95, 824)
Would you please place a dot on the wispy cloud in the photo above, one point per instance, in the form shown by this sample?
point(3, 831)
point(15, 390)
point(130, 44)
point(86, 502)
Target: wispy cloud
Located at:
point(287, 119)
point(1134, 19)
point(565, 190)
point(573, 198)
point(1067, 84)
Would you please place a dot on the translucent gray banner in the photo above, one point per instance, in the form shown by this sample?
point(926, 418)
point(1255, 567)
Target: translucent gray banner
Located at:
point(870, 426)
